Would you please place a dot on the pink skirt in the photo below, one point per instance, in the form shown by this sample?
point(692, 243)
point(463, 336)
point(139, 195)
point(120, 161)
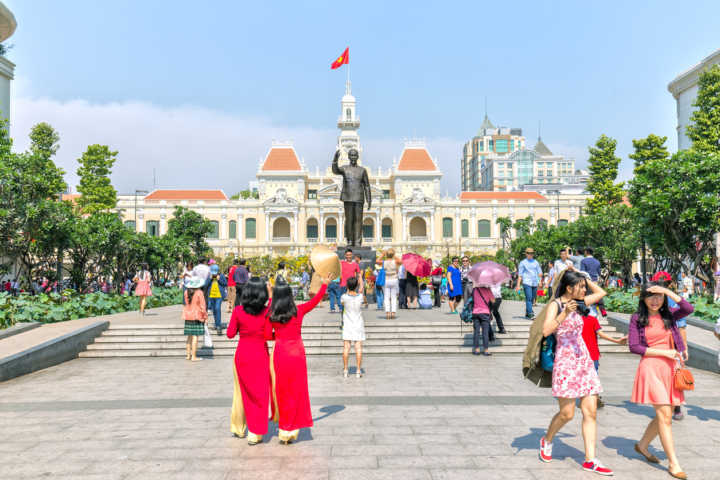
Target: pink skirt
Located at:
point(143, 289)
point(654, 383)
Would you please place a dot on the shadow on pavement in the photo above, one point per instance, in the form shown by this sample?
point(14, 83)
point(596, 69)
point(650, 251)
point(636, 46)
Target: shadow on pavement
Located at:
point(703, 414)
point(625, 447)
point(329, 410)
point(638, 409)
point(561, 450)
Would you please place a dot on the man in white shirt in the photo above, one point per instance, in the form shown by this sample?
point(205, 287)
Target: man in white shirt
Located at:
point(562, 263)
point(202, 270)
point(689, 289)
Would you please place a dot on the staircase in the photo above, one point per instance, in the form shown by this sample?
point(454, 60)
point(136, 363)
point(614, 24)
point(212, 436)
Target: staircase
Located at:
point(384, 337)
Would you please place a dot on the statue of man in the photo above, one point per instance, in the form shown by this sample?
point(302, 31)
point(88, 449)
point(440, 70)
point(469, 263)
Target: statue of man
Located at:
point(355, 191)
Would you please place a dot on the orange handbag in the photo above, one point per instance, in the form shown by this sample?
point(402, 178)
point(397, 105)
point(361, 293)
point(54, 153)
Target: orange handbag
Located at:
point(683, 378)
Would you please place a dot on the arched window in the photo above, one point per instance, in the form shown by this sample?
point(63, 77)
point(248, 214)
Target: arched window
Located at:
point(130, 224)
point(152, 227)
point(464, 228)
point(562, 223)
point(418, 228)
point(542, 224)
point(250, 226)
point(312, 228)
point(447, 227)
point(233, 229)
point(368, 229)
point(348, 114)
point(386, 228)
point(281, 229)
point(331, 229)
point(215, 232)
point(483, 228)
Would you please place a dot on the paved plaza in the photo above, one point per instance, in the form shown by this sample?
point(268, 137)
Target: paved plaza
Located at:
point(409, 417)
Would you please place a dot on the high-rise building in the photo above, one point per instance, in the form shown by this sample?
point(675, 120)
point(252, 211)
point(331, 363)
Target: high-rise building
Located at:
point(7, 68)
point(491, 141)
point(685, 88)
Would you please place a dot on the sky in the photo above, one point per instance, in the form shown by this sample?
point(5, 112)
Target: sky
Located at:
point(197, 91)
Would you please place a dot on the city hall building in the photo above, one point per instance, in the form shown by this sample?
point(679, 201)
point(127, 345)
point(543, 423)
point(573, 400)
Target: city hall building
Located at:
point(298, 208)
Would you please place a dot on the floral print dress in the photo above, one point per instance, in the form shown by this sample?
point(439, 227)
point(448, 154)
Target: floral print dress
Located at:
point(574, 374)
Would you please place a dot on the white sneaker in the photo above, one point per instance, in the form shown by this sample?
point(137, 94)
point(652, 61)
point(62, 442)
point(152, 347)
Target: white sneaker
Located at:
point(358, 374)
point(345, 373)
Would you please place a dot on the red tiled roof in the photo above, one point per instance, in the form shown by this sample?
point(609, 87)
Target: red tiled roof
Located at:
point(212, 195)
point(281, 159)
point(416, 159)
point(501, 196)
point(71, 197)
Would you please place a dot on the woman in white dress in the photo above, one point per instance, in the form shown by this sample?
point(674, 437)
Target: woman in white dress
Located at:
point(353, 329)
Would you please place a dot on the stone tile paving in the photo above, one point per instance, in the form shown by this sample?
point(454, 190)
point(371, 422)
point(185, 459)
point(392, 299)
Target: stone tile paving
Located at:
point(410, 417)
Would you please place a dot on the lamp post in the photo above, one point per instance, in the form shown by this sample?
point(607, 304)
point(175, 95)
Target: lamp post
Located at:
point(557, 204)
point(145, 192)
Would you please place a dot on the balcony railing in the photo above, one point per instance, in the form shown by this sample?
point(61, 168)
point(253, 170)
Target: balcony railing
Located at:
point(418, 238)
point(281, 239)
point(312, 239)
point(387, 239)
point(331, 239)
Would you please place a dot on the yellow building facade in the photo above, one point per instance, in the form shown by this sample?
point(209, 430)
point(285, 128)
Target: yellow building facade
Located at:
point(298, 208)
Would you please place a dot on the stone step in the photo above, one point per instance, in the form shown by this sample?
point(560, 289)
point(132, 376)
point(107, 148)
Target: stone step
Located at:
point(336, 342)
point(367, 350)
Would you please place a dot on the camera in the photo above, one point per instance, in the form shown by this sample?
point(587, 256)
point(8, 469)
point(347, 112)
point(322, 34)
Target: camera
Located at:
point(582, 309)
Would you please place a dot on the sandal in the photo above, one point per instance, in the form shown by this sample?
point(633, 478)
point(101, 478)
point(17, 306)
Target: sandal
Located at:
point(649, 457)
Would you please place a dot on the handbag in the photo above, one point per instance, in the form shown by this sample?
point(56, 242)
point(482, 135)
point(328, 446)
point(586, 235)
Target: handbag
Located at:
point(380, 280)
point(547, 353)
point(207, 339)
point(682, 377)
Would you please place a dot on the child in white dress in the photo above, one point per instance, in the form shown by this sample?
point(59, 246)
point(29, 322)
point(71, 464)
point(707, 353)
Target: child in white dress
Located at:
point(353, 329)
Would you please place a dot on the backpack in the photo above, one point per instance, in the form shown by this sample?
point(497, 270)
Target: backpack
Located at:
point(380, 280)
point(466, 314)
point(547, 353)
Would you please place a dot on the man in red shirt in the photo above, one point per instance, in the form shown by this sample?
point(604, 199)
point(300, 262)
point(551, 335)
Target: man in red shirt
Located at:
point(231, 286)
point(348, 268)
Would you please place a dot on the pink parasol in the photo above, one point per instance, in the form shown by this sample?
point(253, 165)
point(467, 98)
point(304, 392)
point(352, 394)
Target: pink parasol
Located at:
point(487, 274)
point(416, 264)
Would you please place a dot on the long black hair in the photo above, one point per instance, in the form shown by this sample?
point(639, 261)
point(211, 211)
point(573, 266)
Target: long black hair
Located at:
point(283, 305)
point(254, 296)
point(568, 281)
point(643, 313)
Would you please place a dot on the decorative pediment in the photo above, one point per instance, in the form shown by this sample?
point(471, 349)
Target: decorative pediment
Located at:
point(418, 198)
point(281, 199)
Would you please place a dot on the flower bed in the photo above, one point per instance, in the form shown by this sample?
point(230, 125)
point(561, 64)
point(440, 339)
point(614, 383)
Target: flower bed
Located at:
point(69, 305)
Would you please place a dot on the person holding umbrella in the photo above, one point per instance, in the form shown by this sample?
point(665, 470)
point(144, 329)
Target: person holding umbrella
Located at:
point(415, 266)
point(484, 276)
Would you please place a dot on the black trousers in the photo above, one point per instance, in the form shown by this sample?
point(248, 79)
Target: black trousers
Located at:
point(495, 306)
point(402, 299)
point(353, 222)
point(481, 323)
point(436, 294)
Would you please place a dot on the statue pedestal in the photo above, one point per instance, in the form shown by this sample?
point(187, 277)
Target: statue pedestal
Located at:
point(367, 255)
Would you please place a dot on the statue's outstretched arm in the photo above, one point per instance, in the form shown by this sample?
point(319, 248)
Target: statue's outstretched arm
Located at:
point(336, 169)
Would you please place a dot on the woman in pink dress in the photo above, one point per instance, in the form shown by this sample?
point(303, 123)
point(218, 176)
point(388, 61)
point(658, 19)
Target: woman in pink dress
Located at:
point(252, 362)
point(142, 289)
point(291, 383)
point(574, 375)
point(653, 333)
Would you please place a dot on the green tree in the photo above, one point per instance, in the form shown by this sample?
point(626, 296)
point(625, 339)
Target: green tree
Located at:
point(30, 187)
point(97, 192)
point(704, 131)
point(603, 165)
point(505, 230)
point(524, 226)
point(677, 206)
point(245, 194)
point(190, 228)
point(649, 149)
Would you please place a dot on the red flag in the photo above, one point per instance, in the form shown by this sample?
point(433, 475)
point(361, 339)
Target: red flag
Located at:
point(342, 59)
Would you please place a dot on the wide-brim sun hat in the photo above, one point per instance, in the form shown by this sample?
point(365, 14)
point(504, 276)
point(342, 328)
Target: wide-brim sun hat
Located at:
point(194, 282)
point(529, 250)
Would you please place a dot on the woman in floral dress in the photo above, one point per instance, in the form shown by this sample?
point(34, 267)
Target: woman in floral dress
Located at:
point(574, 374)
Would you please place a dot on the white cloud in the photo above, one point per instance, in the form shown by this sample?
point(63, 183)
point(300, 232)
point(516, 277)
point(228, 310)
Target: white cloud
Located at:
point(194, 147)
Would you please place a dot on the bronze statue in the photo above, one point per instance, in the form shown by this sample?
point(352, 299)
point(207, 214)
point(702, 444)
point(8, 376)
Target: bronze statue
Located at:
point(355, 191)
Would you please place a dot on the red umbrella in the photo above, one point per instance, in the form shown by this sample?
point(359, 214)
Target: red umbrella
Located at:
point(416, 264)
point(487, 274)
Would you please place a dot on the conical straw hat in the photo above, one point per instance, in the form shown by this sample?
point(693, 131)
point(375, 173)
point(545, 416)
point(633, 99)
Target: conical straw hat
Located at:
point(325, 261)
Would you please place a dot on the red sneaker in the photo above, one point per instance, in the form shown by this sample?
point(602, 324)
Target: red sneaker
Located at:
point(597, 467)
point(545, 451)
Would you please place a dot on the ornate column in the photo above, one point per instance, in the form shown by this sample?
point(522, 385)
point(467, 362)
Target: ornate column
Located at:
point(163, 223)
point(432, 226)
point(458, 224)
point(267, 228)
point(495, 228)
point(378, 227)
point(240, 227)
point(224, 233)
point(321, 227)
point(295, 238)
point(141, 223)
point(404, 227)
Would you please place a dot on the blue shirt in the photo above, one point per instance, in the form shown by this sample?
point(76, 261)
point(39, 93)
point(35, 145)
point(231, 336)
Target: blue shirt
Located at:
point(591, 265)
point(682, 322)
point(530, 271)
point(456, 279)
